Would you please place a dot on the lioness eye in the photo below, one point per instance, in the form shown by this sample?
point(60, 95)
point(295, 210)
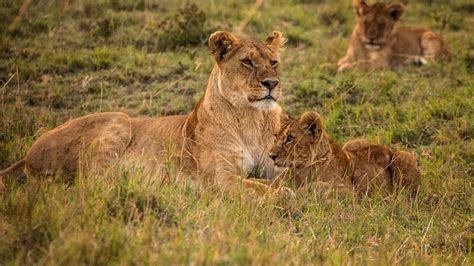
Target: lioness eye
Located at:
point(247, 62)
point(289, 139)
point(274, 63)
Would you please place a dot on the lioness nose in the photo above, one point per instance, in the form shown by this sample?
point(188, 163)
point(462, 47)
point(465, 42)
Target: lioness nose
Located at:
point(270, 83)
point(273, 156)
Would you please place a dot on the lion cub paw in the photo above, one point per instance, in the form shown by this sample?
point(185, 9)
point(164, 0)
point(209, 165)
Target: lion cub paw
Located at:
point(344, 67)
point(418, 61)
point(284, 193)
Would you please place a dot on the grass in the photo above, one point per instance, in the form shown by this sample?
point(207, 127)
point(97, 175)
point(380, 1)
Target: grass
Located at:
point(65, 59)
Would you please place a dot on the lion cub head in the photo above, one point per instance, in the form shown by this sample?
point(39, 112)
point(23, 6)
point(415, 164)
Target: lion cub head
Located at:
point(247, 69)
point(300, 142)
point(376, 22)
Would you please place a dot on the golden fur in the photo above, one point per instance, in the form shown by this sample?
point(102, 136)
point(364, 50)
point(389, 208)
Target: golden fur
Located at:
point(227, 136)
point(377, 41)
point(313, 156)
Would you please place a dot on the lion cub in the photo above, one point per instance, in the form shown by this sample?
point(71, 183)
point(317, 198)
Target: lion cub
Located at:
point(312, 155)
point(377, 42)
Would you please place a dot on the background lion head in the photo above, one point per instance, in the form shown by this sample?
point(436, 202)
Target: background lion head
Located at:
point(376, 22)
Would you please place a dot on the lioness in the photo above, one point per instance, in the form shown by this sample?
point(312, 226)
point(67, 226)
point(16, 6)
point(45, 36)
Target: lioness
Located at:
point(226, 136)
point(376, 41)
point(312, 155)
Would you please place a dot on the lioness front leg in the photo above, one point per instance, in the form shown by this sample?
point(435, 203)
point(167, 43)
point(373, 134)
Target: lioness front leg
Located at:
point(262, 189)
point(229, 178)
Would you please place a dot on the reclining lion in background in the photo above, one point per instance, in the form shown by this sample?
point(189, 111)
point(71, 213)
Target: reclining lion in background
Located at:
point(376, 41)
point(227, 136)
point(313, 156)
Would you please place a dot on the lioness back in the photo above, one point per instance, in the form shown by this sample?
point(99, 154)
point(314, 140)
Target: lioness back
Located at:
point(92, 138)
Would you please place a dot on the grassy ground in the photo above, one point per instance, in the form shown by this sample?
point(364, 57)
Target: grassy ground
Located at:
point(63, 59)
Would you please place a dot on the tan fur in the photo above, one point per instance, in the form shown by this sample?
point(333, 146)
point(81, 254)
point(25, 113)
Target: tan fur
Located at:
point(377, 41)
point(313, 156)
point(225, 138)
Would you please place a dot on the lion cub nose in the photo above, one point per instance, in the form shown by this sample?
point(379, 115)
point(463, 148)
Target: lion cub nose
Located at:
point(270, 84)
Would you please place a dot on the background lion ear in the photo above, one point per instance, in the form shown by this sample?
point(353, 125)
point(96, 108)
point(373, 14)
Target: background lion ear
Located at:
point(221, 43)
point(395, 11)
point(311, 121)
point(359, 7)
point(275, 40)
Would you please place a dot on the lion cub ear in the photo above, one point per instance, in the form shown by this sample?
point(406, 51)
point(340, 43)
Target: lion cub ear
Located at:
point(221, 43)
point(275, 40)
point(360, 7)
point(395, 11)
point(311, 121)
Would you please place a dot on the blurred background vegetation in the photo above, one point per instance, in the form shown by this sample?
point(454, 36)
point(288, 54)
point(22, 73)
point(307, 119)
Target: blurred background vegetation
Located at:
point(63, 59)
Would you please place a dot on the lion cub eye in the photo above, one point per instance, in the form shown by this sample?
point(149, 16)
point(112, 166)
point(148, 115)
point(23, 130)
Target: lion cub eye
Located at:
point(289, 139)
point(274, 63)
point(247, 62)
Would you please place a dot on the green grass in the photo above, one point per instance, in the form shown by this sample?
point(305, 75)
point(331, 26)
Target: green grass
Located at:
point(66, 60)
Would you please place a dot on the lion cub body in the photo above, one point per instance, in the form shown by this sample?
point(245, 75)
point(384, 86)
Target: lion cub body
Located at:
point(227, 136)
point(312, 155)
point(377, 42)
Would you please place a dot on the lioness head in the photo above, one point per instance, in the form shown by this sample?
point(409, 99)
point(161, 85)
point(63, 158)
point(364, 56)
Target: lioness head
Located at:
point(376, 22)
point(248, 69)
point(298, 141)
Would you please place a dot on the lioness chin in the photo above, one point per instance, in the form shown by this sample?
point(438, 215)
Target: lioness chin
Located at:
point(227, 136)
point(377, 41)
point(313, 156)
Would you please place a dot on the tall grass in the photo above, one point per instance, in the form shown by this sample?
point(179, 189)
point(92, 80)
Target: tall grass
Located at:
point(64, 59)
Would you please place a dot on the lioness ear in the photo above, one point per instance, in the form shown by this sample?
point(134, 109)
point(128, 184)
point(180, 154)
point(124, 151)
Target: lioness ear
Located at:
point(395, 11)
point(311, 121)
point(275, 40)
point(221, 43)
point(359, 7)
